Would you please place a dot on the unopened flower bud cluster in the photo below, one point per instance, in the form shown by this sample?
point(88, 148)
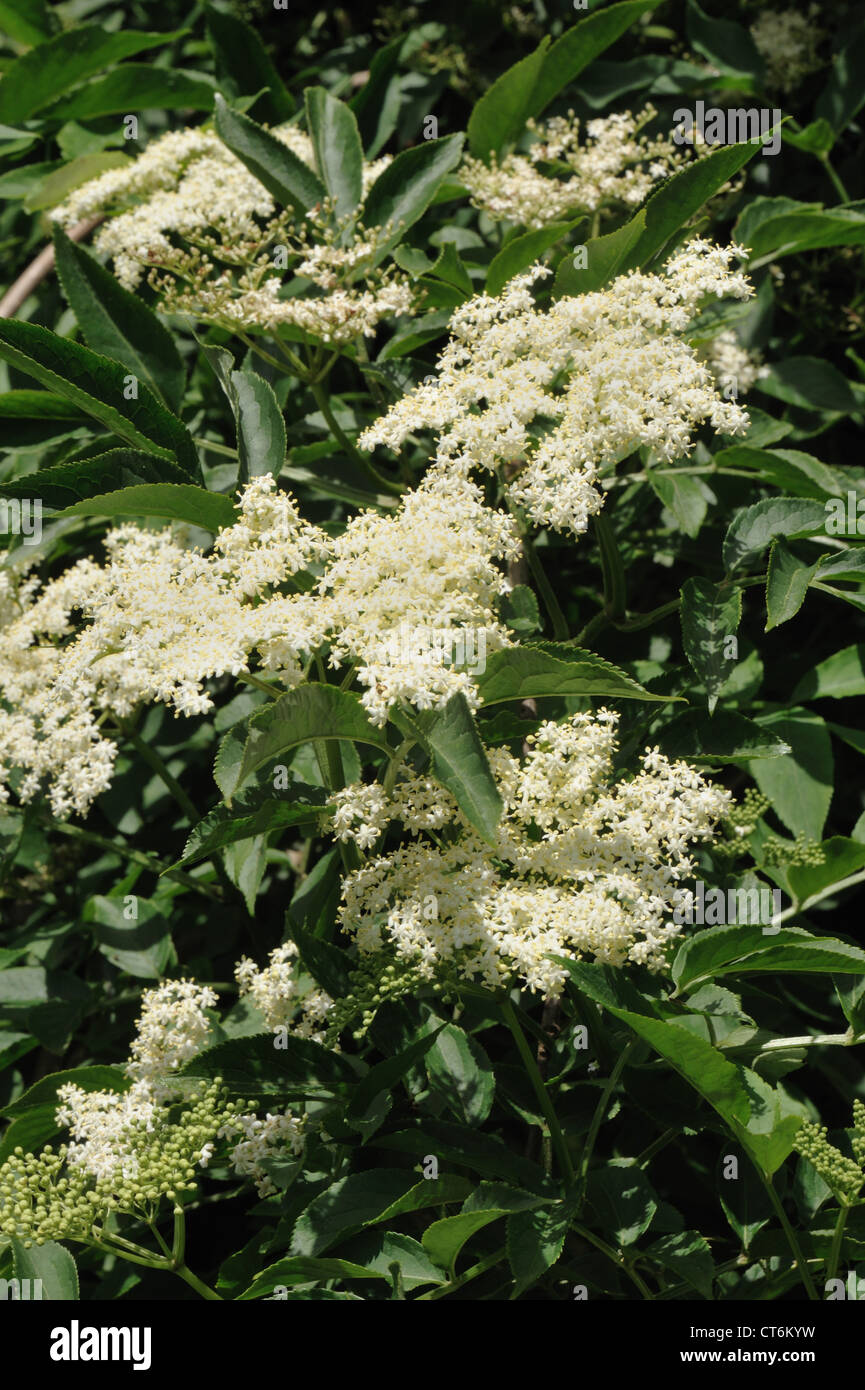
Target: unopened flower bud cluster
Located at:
point(844, 1175)
point(130, 1149)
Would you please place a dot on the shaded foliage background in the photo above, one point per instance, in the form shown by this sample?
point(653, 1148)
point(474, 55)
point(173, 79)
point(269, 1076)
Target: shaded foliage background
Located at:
point(72, 967)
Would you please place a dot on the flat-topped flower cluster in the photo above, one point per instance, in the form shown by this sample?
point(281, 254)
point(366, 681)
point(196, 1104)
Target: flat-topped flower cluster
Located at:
point(585, 862)
point(159, 619)
point(131, 1148)
point(548, 397)
point(559, 178)
point(189, 214)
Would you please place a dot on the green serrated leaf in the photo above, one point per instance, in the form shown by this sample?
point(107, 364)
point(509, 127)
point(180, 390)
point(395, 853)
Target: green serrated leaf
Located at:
point(116, 323)
point(338, 151)
point(291, 182)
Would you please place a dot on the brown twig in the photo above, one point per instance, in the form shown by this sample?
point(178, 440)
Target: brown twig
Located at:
point(38, 269)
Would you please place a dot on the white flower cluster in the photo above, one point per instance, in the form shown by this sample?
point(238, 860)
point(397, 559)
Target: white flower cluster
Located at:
point(788, 41)
point(158, 620)
point(173, 1028)
point(583, 865)
point(106, 1127)
point(735, 368)
point(431, 565)
point(616, 166)
point(276, 992)
point(550, 396)
point(263, 1140)
point(110, 1129)
point(189, 208)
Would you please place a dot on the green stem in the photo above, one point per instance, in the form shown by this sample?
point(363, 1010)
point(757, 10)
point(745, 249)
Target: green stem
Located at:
point(655, 1148)
point(837, 1240)
point(178, 1248)
point(273, 691)
point(601, 1109)
point(351, 449)
point(534, 1075)
point(136, 856)
point(269, 358)
point(488, 1262)
point(551, 603)
point(618, 1260)
point(155, 1229)
point(611, 567)
point(153, 760)
point(214, 448)
point(815, 898)
point(835, 178)
point(792, 1241)
point(396, 762)
point(646, 619)
point(329, 758)
point(105, 1242)
point(183, 1272)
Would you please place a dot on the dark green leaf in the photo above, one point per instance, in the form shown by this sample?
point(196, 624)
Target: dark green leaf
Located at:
point(404, 190)
point(522, 673)
point(459, 1070)
point(310, 712)
point(253, 812)
point(291, 182)
point(347, 1206)
point(266, 1064)
point(116, 323)
point(243, 64)
point(51, 1264)
point(338, 151)
point(147, 88)
point(710, 615)
point(837, 678)
point(799, 785)
point(100, 387)
point(753, 528)
point(54, 66)
point(521, 252)
point(623, 1200)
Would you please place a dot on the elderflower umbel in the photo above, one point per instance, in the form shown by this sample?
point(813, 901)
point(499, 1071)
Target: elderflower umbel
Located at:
point(159, 619)
point(276, 993)
point(788, 41)
point(616, 166)
point(153, 623)
point(583, 864)
point(173, 1027)
point(735, 368)
point(128, 1153)
point(551, 396)
point(263, 1140)
point(131, 1148)
point(192, 214)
